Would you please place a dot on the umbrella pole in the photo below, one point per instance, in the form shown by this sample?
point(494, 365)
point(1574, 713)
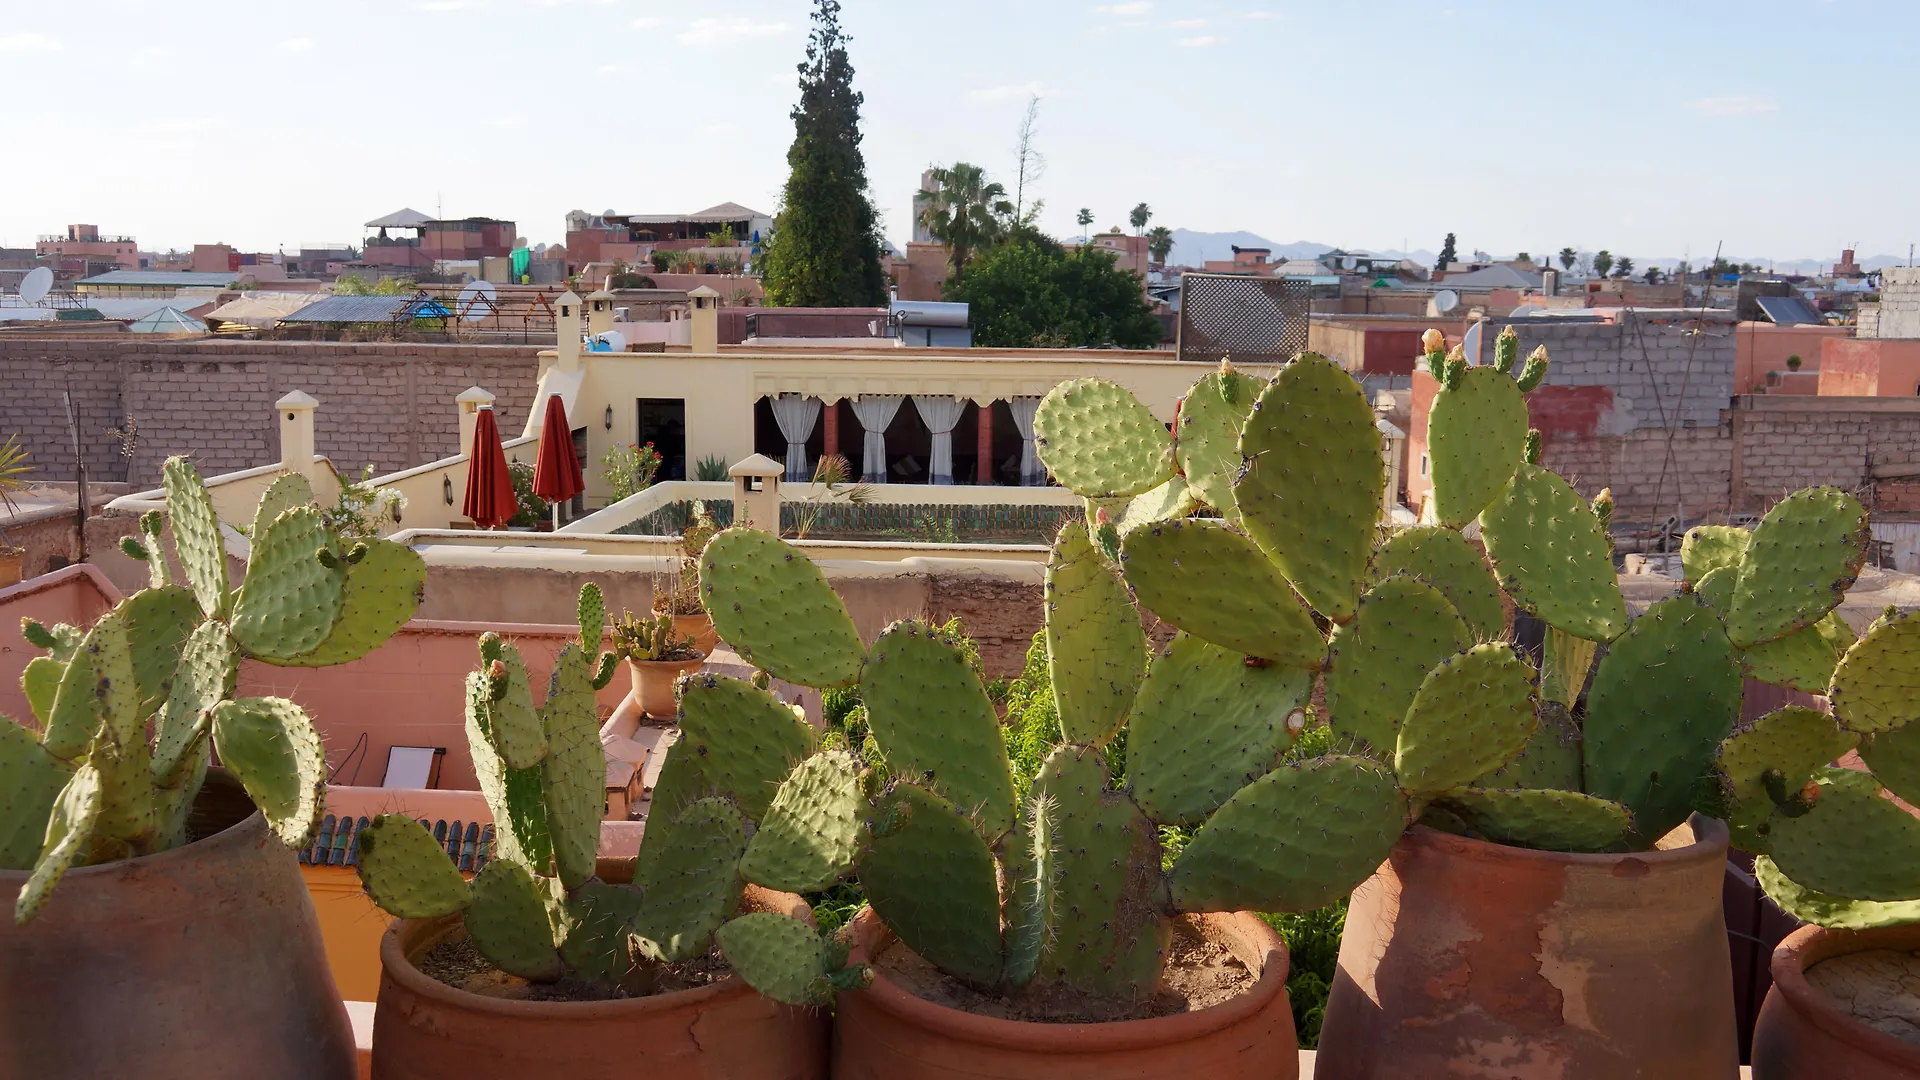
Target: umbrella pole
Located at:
point(556, 515)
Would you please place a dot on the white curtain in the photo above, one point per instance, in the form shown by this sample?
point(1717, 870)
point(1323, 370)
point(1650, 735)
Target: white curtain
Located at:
point(796, 416)
point(1023, 408)
point(940, 414)
point(875, 412)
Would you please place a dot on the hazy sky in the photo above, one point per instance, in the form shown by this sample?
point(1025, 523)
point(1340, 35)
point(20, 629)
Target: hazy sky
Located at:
point(1783, 128)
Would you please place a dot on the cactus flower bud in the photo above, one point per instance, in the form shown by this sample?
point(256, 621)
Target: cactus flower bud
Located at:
point(1603, 507)
point(328, 559)
point(1226, 366)
point(1810, 792)
point(357, 552)
point(1532, 450)
point(1506, 350)
point(1433, 341)
point(151, 523)
point(133, 549)
point(36, 633)
point(1535, 369)
point(1456, 370)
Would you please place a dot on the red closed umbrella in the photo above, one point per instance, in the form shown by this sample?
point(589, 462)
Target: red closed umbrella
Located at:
point(557, 476)
point(490, 501)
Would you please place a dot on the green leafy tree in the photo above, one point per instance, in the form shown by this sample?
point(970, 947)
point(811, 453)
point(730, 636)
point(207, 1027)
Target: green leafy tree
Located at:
point(1142, 213)
point(1160, 243)
point(1623, 267)
point(1448, 253)
point(1031, 292)
point(1653, 275)
point(1085, 220)
point(1523, 257)
point(1568, 257)
point(825, 248)
point(1602, 262)
point(966, 212)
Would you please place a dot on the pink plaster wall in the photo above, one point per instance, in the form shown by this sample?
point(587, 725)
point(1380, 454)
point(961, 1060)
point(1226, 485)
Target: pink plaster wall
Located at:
point(1763, 347)
point(1872, 368)
point(77, 594)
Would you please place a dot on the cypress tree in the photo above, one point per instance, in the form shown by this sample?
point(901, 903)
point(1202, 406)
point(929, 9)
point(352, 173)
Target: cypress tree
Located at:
point(825, 249)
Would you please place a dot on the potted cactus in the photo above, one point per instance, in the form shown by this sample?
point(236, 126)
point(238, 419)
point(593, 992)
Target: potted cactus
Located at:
point(657, 654)
point(678, 594)
point(143, 881)
point(586, 965)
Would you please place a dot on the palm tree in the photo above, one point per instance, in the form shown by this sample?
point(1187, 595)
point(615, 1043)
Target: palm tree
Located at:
point(1085, 218)
point(1623, 267)
point(1602, 262)
point(1139, 218)
point(1160, 243)
point(965, 211)
point(1568, 257)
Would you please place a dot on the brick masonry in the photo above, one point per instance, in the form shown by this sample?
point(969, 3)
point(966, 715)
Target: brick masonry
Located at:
point(389, 406)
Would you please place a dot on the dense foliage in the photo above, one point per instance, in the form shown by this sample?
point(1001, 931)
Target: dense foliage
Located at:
point(1030, 292)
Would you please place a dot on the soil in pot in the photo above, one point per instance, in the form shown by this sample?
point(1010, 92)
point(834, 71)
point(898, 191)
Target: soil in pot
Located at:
point(1199, 974)
point(1878, 987)
point(454, 962)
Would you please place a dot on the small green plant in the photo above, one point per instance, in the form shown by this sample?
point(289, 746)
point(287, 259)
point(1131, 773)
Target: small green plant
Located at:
point(131, 708)
point(651, 639)
point(630, 469)
point(721, 237)
point(363, 510)
point(1794, 362)
point(833, 475)
point(711, 469)
point(13, 481)
point(530, 509)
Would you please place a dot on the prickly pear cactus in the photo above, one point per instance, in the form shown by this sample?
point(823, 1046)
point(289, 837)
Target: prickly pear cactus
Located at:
point(131, 709)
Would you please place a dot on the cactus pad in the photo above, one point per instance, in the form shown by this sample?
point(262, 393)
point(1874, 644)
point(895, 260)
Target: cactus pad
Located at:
point(745, 740)
point(774, 606)
point(935, 725)
point(780, 956)
point(1803, 660)
point(575, 768)
point(1541, 819)
point(1030, 859)
point(272, 746)
point(1214, 583)
point(599, 943)
point(1110, 935)
point(1832, 912)
point(203, 676)
point(1297, 838)
point(1170, 501)
point(1551, 758)
point(1662, 699)
point(592, 611)
point(1475, 432)
point(516, 796)
point(1096, 649)
point(1568, 661)
point(290, 599)
point(692, 883)
point(1207, 724)
point(73, 718)
point(1552, 556)
point(1876, 686)
point(507, 921)
point(1709, 547)
point(1449, 562)
point(30, 781)
point(406, 871)
point(40, 683)
point(1894, 757)
point(1804, 556)
point(1314, 481)
point(196, 534)
point(1207, 444)
point(69, 831)
point(1795, 742)
point(116, 693)
point(1404, 627)
point(158, 622)
point(287, 491)
point(1099, 441)
point(1472, 712)
point(931, 879)
point(382, 592)
point(1852, 843)
point(511, 720)
point(809, 835)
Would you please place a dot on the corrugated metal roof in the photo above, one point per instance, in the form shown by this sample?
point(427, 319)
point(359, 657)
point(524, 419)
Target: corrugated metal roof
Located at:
point(367, 309)
point(182, 278)
point(1788, 311)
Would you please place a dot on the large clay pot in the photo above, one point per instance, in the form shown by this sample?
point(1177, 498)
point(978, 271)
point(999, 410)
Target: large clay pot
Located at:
point(699, 628)
point(653, 685)
point(1801, 1035)
point(200, 963)
point(424, 1029)
point(885, 1033)
point(13, 560)
point(1462, 958)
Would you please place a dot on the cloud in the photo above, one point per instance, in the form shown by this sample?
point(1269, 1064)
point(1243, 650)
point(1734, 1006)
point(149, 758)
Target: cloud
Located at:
point(28, 42)
point(645, 22)
point(297, 45)
point(186, 126)
point(1137, 7)
point(732, 28)
point(1187, 24)
point(1734, 105)
point(608, 71)
point(1258, 15)
point(1199, 41)
point(1009, 92)
point(451, 5)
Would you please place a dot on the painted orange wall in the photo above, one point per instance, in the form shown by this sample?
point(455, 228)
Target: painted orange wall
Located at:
point(1763, 347)
point(1872, 368)
point(351, 927)
point(77, 594)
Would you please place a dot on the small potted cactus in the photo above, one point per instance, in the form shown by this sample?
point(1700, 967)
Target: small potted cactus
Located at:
point(553, 960)
point(657, 654)
point(143, 881)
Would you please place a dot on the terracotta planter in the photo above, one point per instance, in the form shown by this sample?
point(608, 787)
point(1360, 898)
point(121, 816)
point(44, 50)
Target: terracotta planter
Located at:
point(424, 1029)
point(883, 1032)
point(1801, 1035)
point(1463, 958)
point(13, 568)
point(201, 962)
point(700, 629)
point(653, 684)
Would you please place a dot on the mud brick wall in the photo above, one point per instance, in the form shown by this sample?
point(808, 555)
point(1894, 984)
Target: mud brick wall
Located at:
point(389, 406)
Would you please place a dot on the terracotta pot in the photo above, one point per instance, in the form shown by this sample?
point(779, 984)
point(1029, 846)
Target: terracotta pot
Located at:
point(424, 1029)
point(203, 962)
point(1801, 1035)
point(699, 628)
point(653, 684)
point(1464, 958)
point(13, 567)
point(883, 1032)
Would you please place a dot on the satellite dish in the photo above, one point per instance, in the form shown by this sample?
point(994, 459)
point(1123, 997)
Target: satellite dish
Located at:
point(1525, 310)
point(1471, 344)
point(1349, 263)
point(1443, 303)
point(614, 340)
point(476, 301)
point(33, 287)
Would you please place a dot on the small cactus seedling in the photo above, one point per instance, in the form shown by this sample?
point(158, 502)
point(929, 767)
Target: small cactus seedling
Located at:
point(651, 639)
point(129, 708)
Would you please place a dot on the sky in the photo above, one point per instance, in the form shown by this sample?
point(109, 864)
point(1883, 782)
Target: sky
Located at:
point(1777, 128)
